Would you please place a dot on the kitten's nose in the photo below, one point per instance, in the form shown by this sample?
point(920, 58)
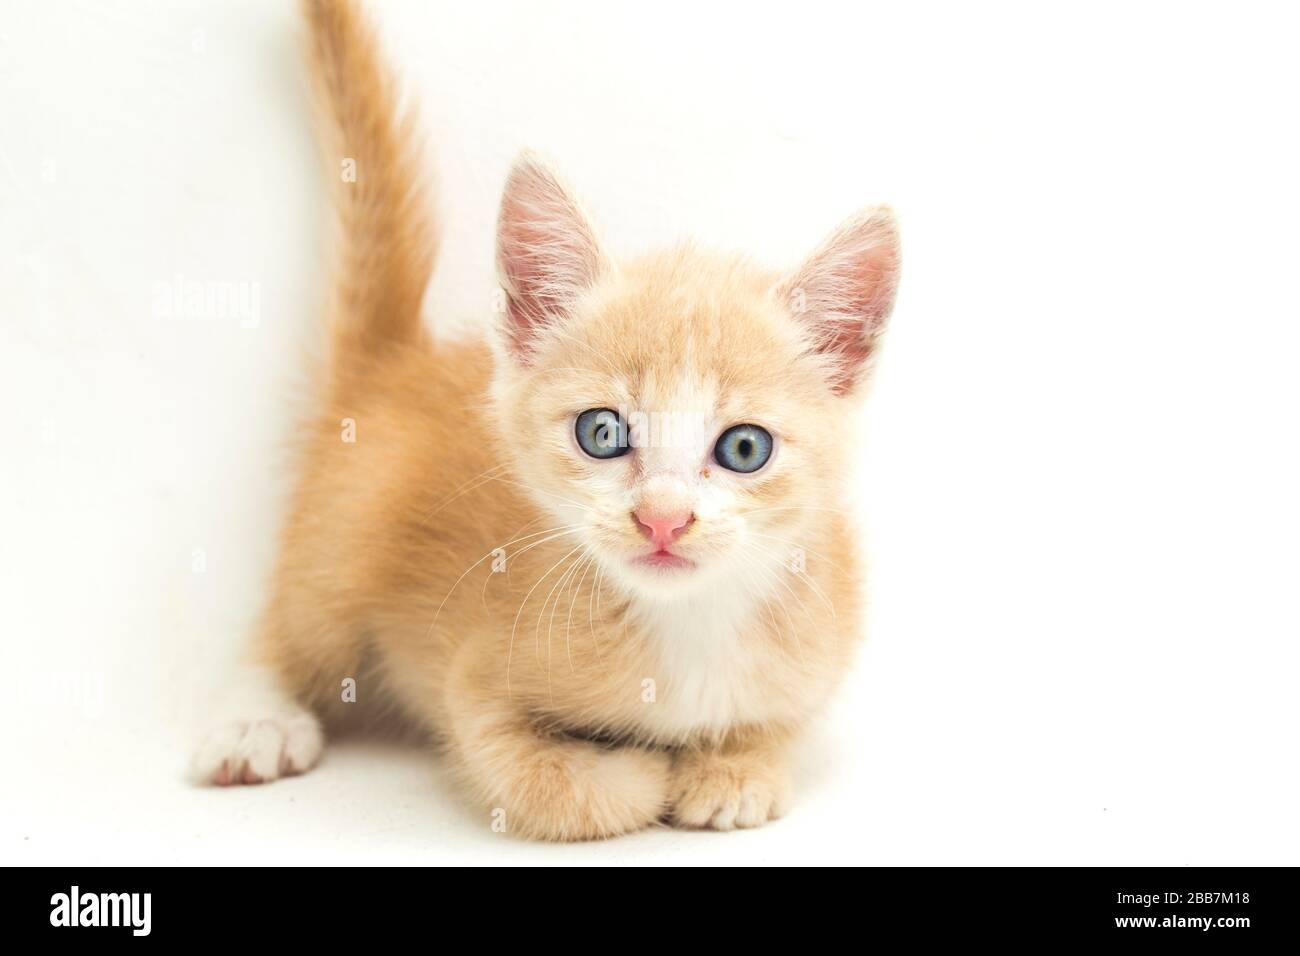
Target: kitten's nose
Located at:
point(662, 529)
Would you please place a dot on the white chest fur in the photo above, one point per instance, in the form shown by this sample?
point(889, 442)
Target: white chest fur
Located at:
point(712, 665)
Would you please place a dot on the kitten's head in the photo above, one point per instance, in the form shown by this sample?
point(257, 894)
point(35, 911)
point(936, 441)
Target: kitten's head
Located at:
point(683, 417)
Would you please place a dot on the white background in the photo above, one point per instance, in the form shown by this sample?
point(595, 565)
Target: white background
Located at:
point(1080, 463)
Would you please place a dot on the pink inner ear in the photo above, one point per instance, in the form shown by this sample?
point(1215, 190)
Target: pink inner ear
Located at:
point(521, 269)
point(846, 291)
point(546, 252)
point(869, 299)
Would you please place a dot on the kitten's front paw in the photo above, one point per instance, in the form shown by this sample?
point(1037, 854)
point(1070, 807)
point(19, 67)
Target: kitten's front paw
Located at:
point(258, 751)
point(726, 791)
point(581, 792)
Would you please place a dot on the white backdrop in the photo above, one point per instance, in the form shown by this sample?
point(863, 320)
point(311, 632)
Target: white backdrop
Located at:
point(1080, 463)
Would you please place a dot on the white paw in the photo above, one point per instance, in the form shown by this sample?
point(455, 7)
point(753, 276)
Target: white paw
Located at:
point(258, 751)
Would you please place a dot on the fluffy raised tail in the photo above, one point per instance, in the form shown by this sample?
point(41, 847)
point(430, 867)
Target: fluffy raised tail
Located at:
point(385, 251)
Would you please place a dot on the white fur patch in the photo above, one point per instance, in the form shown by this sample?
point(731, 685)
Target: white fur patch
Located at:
point(709, 674)
point(263, 734)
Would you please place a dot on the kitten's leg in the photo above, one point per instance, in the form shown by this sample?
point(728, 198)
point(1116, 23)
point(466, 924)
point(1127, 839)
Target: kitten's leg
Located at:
point(261, 733)
point(741, 783)
point(547, 786)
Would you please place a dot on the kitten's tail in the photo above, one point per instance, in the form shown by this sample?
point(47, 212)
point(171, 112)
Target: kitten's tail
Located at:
point(385, 254)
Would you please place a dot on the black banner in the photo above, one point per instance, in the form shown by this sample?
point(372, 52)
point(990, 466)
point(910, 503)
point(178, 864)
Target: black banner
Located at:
point(1175, 906)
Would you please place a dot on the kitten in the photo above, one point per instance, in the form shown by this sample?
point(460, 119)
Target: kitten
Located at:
point(602, 558)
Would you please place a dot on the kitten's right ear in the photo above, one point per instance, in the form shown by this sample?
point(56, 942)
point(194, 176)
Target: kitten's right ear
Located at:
point(547, 253)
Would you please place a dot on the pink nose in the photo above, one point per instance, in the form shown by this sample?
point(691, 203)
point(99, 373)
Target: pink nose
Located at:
point(662, 530)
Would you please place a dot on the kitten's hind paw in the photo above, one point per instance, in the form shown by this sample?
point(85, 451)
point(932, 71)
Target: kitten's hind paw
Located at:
point(259, 751)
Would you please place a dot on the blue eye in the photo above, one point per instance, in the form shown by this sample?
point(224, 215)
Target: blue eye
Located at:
point(743, 448)
point(601, 433)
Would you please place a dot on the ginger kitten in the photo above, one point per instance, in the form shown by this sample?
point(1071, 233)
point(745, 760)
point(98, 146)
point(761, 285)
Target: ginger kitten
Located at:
point(601, 559)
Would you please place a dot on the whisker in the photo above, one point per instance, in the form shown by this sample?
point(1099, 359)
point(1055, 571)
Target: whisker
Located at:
point(794, 631)
point(508, 481)
point(510, 558)
point(760, 511)
point(595, 591)
point(456, 584)
point(550, 624)
point(801, 574)
point(510, 651)
point(762, 598)
point(574, 592)
point(457, 491)
point(487, 580)
point(537, 628)
point(795, 544)
point(566, 581)
point(785, 584)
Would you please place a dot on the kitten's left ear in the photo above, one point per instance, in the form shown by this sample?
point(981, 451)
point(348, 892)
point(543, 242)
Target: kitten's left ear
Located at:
point(845, 291)
point(547, 253)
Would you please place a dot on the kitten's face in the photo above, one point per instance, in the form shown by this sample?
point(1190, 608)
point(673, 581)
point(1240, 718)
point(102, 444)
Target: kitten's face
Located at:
point(678, 417)
point(621, 419)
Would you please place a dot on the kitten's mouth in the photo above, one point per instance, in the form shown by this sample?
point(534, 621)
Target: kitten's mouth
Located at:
point(664, 559)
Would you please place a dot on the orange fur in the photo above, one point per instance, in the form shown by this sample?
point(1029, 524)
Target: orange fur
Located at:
point(582, 695)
